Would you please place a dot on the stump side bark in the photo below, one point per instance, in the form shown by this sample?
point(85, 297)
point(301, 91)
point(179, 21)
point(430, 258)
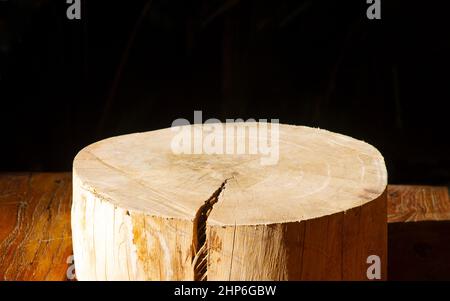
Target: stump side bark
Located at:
point(142, 212)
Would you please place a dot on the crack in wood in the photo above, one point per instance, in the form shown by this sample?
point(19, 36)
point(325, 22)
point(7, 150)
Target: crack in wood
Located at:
point(199, 243)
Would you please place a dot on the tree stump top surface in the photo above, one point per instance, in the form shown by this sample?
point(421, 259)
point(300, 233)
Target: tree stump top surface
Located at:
point(318, 173)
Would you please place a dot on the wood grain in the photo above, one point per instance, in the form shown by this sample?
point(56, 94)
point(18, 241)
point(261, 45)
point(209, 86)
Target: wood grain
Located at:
point(418, 203)
point(228, 216)
point(35, 238)
point(35, 234)
point(419, 228)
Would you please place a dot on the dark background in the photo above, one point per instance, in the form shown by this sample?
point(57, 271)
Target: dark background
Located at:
point(129, 66)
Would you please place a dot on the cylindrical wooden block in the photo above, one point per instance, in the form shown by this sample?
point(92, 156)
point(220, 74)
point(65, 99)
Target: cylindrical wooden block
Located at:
point(144, 212)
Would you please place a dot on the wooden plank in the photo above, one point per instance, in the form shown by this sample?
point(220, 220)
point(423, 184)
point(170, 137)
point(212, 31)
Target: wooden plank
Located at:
point(418, 237)
point(408, 203)
point(35, 234)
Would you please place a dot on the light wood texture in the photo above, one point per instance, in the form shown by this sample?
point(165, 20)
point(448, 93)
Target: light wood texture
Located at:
point(35, 234)
point(141, 212)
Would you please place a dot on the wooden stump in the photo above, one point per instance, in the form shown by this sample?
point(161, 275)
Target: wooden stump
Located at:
point(142, 212)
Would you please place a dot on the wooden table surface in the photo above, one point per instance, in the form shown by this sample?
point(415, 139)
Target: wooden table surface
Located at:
point(36, 242)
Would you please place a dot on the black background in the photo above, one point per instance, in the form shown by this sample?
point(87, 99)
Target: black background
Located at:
point(287, 290)
point(122, 68)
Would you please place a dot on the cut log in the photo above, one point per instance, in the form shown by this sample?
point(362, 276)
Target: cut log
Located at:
point(142, 212)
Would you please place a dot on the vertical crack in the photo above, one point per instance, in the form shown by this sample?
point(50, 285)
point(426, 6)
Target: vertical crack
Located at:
point(199, 244)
